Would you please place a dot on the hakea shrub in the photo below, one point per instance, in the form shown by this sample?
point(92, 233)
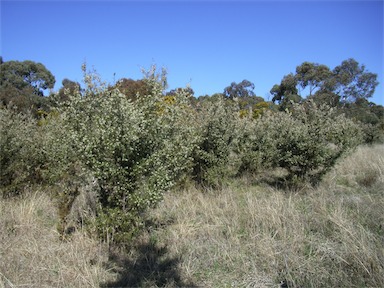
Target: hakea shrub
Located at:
point(306, 142)
point(40, 153)
point(21, 157)
point(217, 131)
point(135, 150)
point(65, 173)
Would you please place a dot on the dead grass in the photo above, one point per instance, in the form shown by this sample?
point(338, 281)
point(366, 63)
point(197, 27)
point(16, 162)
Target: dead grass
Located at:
point(362, 171)
point(257, 236)
point(244, 235)
point(32, 255)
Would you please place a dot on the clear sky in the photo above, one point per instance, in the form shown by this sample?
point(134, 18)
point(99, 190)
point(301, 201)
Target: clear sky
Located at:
point(207, 44)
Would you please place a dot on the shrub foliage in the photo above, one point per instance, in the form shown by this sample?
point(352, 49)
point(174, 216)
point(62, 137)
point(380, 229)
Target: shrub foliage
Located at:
point(136, 150)
point(217, 132)
point(306, 142)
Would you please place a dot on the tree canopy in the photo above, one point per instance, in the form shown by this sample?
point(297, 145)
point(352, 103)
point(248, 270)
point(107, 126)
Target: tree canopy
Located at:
point(26, 74)
point(347, 82)
point(286, 92)
point(312, 75)
point(131, 88)
point(240, 90)
point(351, 81)
point(69, 88)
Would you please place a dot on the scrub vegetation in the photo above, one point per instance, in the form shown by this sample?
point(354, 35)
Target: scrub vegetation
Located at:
point(127, 185)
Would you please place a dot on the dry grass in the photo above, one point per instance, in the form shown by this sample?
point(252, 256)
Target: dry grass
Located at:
point(257, 236)
point(361, 171)
point(32, 255)
point(244, 235)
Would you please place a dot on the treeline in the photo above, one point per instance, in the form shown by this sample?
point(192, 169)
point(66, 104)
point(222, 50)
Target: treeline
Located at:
point(346, 88)
point(128, 143)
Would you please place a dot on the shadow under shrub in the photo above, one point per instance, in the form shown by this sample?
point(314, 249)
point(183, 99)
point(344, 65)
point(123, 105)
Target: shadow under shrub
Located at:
point(147, 265)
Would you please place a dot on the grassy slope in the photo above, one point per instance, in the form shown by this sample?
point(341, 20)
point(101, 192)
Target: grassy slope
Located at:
point(245, 235)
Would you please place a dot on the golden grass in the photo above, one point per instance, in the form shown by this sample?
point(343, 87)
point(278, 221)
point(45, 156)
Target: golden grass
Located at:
point(244, 235)
point(257, 236)
point(32, 255)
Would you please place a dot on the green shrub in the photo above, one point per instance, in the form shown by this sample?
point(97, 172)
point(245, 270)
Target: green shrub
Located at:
point(39, 153)
point(22, 159)
point(305, 142)
point(373, 133)
point(217, 130)
point(135, 150)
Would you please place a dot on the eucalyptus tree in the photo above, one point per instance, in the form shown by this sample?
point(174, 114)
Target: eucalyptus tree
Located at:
point(312, 75)
point(352, 81)
point(286, 92)
point(240, 90)
point(26, 74)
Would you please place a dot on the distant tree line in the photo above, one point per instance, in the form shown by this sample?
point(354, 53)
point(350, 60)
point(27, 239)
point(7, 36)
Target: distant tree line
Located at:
point(346, 88)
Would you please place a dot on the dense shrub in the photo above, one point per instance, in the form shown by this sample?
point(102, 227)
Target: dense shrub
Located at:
point(39, 152)
point(217, 131)
point(305, 142)
point(22, 159)
point(67, 175)
point(373, 133)
point(135, 150)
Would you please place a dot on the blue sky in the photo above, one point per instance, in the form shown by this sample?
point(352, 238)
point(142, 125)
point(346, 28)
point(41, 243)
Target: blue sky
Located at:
point(207, 44)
